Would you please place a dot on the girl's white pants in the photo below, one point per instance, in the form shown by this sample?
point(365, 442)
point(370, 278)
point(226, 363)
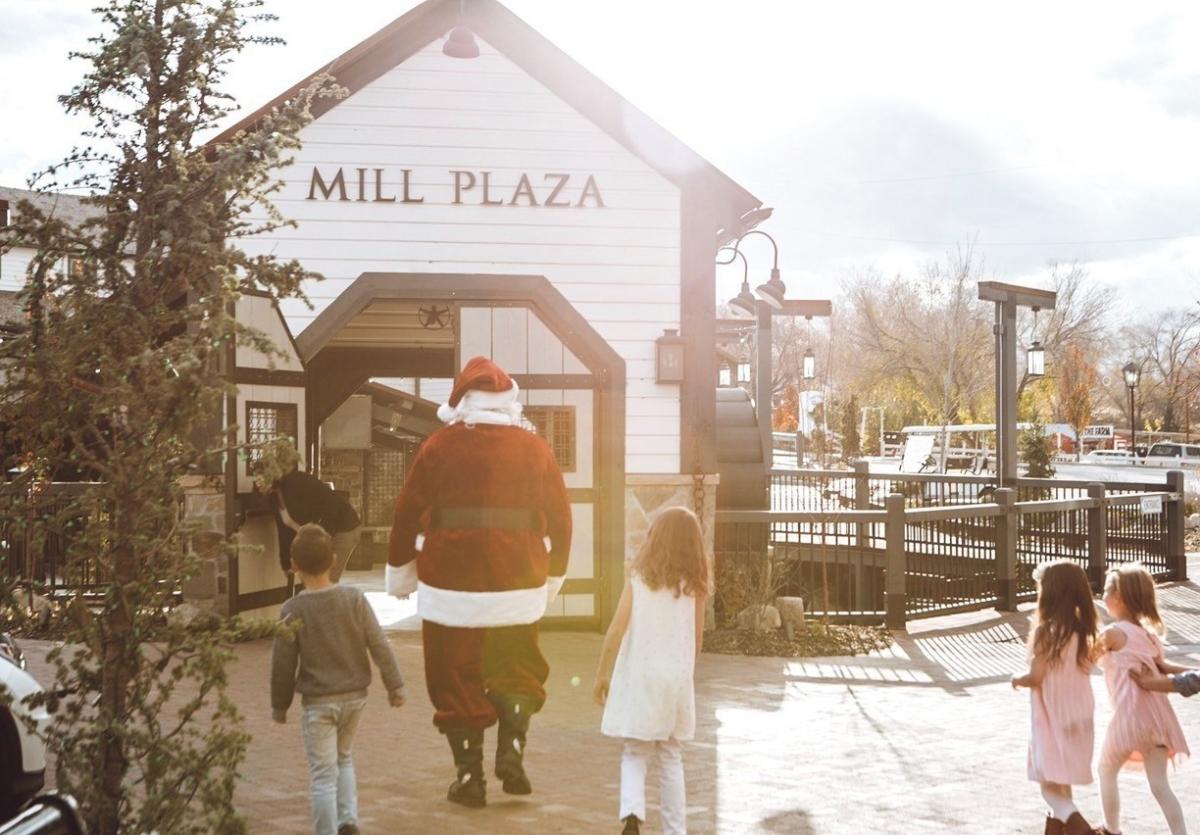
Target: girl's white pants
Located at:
point(634, 761)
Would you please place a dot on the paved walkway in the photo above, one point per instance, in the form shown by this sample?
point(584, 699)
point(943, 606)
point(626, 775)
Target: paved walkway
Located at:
point(927, 737)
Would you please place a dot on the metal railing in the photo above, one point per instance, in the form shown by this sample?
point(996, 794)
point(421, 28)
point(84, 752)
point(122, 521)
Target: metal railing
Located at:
point(37, 531)
point(905, 560)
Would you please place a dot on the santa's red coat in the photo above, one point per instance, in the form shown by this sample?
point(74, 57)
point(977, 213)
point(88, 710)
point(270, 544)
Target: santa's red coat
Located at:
point(481, 577)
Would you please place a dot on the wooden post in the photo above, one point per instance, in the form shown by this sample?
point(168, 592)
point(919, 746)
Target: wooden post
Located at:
point(862, 531)
point(1176, 555)
point(1006, 550)
point(895, 581)
point(762, 384)
point(1097, 537)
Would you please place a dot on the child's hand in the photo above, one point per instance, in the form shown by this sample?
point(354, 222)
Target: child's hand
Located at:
point(1148, 679)
point(1018, 681)
point(396, 698)
point(600, 691)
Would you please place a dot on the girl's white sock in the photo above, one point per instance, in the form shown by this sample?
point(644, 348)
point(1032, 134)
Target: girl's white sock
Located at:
point(1058, 798)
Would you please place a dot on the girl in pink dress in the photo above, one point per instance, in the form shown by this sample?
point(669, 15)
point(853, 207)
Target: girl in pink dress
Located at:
point(1144, 730)
point(1061, 648)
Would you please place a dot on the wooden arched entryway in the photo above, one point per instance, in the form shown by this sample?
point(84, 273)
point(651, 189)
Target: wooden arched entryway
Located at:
point(428, 324)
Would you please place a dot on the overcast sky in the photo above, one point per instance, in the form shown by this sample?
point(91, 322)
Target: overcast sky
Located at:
point(883, 133)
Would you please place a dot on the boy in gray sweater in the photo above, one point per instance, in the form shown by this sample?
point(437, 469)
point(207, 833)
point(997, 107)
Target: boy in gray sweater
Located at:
point(336, 629)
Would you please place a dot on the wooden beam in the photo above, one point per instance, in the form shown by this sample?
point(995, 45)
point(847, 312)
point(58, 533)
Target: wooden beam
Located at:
point(805, 307)
point(998, 291)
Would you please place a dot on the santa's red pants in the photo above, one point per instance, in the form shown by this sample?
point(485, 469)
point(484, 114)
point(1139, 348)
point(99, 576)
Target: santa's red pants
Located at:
point(462, 666)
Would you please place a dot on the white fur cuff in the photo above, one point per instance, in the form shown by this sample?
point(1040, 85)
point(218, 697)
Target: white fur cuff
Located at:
point(400, 581)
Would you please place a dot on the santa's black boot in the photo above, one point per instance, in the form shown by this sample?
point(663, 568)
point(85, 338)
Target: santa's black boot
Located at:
point(470, 789)
point(514, 713)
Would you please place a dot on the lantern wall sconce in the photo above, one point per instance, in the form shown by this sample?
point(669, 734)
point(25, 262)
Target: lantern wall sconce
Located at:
point(669, 352)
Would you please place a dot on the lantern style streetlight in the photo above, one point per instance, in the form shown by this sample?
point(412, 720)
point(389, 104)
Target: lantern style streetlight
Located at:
point(810, 365)
point(1035, 357)
point(1133, 375)
point(1035, 360)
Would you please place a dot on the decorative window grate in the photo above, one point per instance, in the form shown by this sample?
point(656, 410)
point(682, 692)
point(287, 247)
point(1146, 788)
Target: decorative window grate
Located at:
point(265, 421)
point(556, 424)
point(385, 477)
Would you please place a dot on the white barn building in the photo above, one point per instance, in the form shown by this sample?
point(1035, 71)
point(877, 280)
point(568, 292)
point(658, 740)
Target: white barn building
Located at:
point(509, 205)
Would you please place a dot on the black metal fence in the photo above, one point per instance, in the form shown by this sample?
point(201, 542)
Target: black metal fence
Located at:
point(830, 540)
point(40, 555)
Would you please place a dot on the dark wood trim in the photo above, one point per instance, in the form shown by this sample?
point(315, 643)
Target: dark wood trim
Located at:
point(542, 60)
point(269, 377)
point(697, 321)
point(231, 474)
point(573, 623)
point(563, 320)
point(533, 382)
point(266, 597)
point(579, 585)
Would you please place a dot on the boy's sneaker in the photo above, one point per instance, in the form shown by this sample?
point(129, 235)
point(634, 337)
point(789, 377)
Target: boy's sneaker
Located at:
point(632, 826)
point(348, 829)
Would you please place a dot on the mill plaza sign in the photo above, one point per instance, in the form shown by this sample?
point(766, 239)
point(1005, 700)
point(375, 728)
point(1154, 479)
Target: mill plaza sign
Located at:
point(476, 188)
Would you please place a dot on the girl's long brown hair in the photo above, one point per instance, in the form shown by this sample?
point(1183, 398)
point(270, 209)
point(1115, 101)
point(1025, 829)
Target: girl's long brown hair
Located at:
point(672, 557)
point(1064, 609)
point(1135, 587)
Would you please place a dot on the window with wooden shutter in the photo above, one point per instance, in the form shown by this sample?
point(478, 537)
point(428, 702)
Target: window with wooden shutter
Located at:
point(556, 424)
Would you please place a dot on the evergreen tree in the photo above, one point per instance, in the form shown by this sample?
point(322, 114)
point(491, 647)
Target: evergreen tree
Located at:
point(118, 376)
point(1034, 450)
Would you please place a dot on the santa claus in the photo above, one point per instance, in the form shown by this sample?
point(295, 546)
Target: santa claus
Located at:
point(482, 532)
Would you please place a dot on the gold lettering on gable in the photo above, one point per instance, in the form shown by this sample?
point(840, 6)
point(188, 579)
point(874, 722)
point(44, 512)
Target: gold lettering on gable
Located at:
point(339, 182)
point(524, 189)
point(464, 187)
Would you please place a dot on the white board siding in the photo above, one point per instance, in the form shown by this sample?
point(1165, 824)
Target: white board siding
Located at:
point(267, 394)
point(618, 265)
point(13, 265)
point(259, 313)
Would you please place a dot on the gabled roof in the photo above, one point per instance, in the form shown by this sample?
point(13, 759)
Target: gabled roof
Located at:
point(546, 63)
point(71, 208)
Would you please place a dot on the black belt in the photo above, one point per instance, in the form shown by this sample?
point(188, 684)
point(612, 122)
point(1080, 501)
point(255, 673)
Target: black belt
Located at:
point(494, 518)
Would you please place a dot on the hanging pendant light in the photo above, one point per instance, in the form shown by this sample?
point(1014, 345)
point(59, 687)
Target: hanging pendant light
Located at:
point(1035, 357)
point(773, 290)
point(809, 369)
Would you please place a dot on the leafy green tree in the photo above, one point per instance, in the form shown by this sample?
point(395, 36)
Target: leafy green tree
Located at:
point(119, 376)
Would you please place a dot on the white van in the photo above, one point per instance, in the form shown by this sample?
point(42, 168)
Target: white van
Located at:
point(1109, 456)
point(1173, 456)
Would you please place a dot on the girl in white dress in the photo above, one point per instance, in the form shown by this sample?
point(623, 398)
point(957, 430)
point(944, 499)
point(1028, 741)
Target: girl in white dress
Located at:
point(649, 698)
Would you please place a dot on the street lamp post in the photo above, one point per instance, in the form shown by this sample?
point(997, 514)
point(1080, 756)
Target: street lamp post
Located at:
point(771, 303)
point(1008, 298)
point(1133, 375)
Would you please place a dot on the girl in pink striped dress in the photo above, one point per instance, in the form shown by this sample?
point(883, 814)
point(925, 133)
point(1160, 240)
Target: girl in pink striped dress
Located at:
point(1144, 730)
point(1061, 647)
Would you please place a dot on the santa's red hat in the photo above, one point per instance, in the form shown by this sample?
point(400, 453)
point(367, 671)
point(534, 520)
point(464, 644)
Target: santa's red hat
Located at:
point(482, 386)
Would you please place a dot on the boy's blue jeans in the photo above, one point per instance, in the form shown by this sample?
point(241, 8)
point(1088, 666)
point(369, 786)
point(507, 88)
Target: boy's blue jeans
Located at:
point(328, 734)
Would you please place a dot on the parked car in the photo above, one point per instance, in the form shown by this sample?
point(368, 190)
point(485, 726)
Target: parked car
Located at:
point(22, 752)
point(1110, 456)
point(1172, 456)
